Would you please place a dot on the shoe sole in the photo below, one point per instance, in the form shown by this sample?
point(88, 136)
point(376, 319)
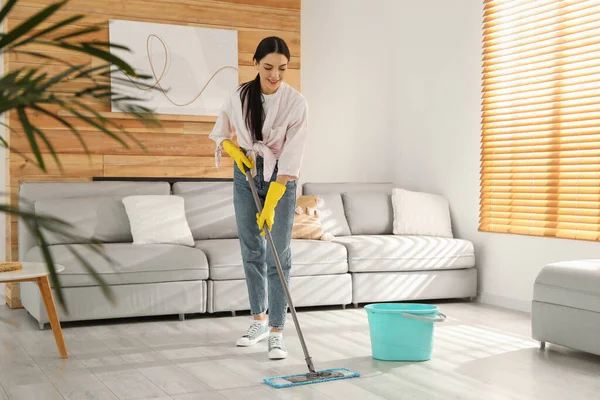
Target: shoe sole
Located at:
point(277, 357)
point(252, 343)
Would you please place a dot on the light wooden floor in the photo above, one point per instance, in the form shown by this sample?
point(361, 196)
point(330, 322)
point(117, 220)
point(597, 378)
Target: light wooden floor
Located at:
point(481, 352)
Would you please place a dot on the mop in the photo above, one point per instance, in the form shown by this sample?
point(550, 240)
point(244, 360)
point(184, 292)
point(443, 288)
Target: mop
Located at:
point(312, 376)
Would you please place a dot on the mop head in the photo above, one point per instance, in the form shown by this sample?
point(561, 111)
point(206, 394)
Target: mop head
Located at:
point(308, 378)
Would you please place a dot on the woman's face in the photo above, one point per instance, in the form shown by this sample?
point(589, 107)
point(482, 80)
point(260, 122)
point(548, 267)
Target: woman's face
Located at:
point(271, 70)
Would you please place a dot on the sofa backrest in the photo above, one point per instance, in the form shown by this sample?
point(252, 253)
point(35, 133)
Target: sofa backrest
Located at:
point(354, 208)
point(208, 208)
point(94, 208)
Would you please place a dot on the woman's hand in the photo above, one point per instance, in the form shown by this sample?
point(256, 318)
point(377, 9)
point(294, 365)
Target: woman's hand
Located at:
point(238, 155)
point(274, 194)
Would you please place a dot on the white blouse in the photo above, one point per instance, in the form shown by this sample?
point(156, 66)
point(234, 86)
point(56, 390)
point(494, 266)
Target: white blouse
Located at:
point(284, 130)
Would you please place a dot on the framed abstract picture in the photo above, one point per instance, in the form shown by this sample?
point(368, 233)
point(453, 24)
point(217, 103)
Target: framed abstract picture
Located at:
point(193, 69)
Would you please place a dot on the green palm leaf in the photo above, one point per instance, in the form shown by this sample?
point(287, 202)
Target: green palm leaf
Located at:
point(52, 29)
point(26, 27)
point(66, 124)
point(95, 52)
point(33, 89)
point(39, 225)
point(30, 133)
point(79, 32)
point(6, 9)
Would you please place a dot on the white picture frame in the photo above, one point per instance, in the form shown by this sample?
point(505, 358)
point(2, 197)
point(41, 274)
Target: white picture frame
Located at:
point(196, 67)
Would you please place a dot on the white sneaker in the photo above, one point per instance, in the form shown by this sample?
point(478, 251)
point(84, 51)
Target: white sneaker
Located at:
point(277, 350)
point(255, 333)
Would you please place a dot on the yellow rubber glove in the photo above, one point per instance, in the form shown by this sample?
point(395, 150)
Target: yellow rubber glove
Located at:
point(274, 194)
point(237, 154)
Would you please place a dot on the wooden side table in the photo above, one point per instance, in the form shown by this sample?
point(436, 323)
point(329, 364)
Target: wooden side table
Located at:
point(38, 272)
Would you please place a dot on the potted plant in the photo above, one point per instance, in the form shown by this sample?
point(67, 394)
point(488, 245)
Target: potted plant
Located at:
point(28, 90)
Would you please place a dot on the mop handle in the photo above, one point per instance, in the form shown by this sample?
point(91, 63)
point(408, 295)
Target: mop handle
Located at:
point(308, 359)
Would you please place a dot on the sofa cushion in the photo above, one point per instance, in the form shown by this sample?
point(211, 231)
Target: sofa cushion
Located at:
point(385, 253)
point(209, 209)
point(369, 213)
point(102, 217)
point(30, 192)
point(134, 263)
point(309, 257)
point(573, 283)
point(158, 219)
point(421, 213)
point(334, 217)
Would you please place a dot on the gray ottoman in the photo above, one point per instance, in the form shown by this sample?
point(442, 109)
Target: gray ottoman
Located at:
point(566, 305)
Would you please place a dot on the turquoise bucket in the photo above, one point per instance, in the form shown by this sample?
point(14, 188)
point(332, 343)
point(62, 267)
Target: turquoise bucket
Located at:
point(402, 331)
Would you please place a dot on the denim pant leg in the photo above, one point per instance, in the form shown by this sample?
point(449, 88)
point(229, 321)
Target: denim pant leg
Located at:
point(282, 236)
point(253, 245)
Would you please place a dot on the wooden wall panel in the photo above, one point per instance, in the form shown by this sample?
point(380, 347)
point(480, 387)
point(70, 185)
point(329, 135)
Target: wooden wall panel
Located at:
point(180, 148)
point(165, 166)
point(98, 143)
point(174, 11)
point(248, 38)
point(283, 4)
point(72, 165)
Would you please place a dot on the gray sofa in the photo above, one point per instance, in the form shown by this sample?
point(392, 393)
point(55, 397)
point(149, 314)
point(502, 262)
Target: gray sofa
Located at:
point(364, 263)
point(386, 267)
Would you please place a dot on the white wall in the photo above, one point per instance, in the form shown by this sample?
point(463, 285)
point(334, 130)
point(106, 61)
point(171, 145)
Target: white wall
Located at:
point(346, 66)
point(437, 139)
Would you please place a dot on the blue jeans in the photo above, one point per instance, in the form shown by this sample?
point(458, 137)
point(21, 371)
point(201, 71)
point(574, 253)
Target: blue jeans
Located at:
point(259, 265)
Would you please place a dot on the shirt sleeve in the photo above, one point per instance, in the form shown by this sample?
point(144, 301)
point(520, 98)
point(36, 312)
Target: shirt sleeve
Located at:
point(222, 130)
point(290, 159)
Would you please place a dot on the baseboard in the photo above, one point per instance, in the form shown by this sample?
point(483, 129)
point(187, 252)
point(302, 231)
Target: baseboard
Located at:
point(505, 302)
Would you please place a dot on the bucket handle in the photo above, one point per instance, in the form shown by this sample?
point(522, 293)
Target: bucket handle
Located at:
point(441, 317)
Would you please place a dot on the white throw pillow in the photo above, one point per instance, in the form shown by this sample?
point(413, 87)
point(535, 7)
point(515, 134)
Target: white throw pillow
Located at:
point(419, 213)
point(158, 219)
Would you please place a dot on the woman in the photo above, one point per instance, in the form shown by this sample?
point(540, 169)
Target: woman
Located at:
point(269, 118)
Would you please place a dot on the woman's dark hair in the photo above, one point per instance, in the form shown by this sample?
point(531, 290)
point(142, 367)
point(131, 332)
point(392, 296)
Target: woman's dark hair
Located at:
point(250, 92)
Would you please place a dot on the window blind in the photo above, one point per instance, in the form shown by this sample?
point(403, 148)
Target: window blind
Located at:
point(540, 149)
